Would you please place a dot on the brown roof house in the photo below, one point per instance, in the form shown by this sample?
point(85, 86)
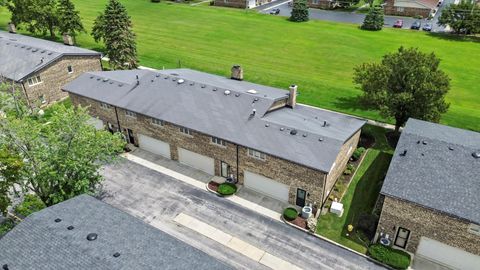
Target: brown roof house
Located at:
point(431, 194)
point(39, 68)
point(410, 8)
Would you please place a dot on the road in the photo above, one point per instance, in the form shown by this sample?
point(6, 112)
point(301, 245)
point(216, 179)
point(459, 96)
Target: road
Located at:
point(158, 199)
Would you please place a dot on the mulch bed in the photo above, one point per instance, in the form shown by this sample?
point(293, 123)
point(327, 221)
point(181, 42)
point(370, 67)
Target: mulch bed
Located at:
point(366, 140)
point(300, 222)
point(213, 186)
point(392, 138)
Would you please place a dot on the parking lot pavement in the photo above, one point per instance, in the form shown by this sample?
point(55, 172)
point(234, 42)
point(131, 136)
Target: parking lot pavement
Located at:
point(158, 199)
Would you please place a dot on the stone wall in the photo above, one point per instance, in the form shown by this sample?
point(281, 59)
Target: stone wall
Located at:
point(56, 75)
point(428, 223)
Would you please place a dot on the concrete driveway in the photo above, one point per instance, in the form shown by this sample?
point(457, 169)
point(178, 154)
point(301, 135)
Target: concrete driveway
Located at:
point(158, 199)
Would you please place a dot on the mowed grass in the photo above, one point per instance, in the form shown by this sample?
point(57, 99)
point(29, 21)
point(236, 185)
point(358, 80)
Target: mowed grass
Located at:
point(318, 56)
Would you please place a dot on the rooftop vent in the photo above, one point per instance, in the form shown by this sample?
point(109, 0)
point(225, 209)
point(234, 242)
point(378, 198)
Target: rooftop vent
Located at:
point(450, 148)
point(214, 89)
point(157, 75)
point(267, 125)
point(174, 79)
point(404, 153)
point(282, 128)
point(255, 99)
point(42, 51)
point(227, 92)
point(203, 86)
point(237, 94)
point(92, 236)
point(304, 135)
point(70, 228)
point(120, 84)
point(192, 83)
point(105, 79)
point(116, 254)
point(58, 220)
point(237, 73)
point(254, 111)
point(325, 124)
point(5, 267)
point(252, 91)
point(180, 81)
point(424, 142)
point(293, 132)
point(320, 139)
point(476, 154)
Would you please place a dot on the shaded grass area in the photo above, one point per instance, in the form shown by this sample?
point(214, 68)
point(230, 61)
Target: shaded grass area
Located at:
point(318, 56)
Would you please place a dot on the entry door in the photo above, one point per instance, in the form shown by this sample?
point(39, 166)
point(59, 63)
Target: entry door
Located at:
point(131, 138)
point(402, 237)
point(225, 169)
point(301, 196)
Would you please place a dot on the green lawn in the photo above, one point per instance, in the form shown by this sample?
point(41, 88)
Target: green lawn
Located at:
point(318, 56)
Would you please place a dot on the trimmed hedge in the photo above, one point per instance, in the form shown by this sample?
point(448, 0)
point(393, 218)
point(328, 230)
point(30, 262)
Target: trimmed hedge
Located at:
point(395, 258)
point(31, 203)
point(358, 153)
point(226, 189)
point(290, 213)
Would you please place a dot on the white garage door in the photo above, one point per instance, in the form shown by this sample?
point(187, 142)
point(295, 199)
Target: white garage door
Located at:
point(154, 146)
point(96, 123)
point(266, 186)
point(452, 257)
point(196, 161)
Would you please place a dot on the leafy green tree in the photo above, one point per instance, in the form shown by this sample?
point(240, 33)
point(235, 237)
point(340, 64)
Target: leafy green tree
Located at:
point(61, 156)
point(69, 19)
point(10, 166)
point(405, 84)
point(463, 18)
point(39, 16)
point(374, 19)
point(114, 28)
point(299, 11)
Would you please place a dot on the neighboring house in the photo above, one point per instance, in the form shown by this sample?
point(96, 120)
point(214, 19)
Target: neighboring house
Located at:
point(85, 233)
point(240, 3)
point(39, 68)
point(410, 8)
point(432, 195)
point(323, 4)
point(257, 134)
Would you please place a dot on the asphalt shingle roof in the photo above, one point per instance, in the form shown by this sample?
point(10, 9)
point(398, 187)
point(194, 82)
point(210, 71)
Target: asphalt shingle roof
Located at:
point(22, 55)
point(200, 103)
point(438, 171)
point(40, 243)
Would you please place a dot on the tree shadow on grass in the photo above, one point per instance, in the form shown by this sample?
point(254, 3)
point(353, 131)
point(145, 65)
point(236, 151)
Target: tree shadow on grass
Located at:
point(351, 103)
point(365, 195)
point(453, 37)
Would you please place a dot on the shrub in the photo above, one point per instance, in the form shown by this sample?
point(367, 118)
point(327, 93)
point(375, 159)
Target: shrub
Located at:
point(374, 19)
point(155, 1)
point(299, 11)
point(290, 213)
point(31, 203)
point(6, 226)
point(393, 257)
point(349, 170)
point(358, 153)
point(227, 189)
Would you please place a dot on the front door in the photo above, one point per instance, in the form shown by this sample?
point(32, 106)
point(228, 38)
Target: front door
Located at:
point(225, 170)
point(131, 138)
point(402, 237)
point(301, 196)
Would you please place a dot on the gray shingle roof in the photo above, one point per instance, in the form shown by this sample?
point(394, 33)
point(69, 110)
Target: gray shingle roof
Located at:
point(22, 55)
point(441, 174)
point(40, 243)
point(201, 104)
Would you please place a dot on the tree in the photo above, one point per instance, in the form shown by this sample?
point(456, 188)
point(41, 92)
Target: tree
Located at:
point(405, 84)
point(69, 19)
point(462, 18)
point(373, 19)
point(10, 166)
point(39, 16)
point(114, 28)
point(299, 11)
point(60, 157)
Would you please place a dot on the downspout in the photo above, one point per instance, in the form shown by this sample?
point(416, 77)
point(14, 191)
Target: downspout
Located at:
point(324, 188)
point(237, 163)
point(118, 121)
point(26, 95)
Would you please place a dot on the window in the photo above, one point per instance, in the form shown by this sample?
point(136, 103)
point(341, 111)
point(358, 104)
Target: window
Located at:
point(42, 99)
point(105, 105)
point(474, 228)
point(316, 2)
point(185, 131)
point(402, 237)
point(256, 154)
point(157, 122)
point(218, 141)
point(70, 69)
point(34, 81)
point(130, 113)
point(400, 9)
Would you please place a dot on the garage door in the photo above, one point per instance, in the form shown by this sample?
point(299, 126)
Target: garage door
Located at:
point(196, 161)
point(97, 123)
point(449, 256)
point(154, 146)
point(266, 186)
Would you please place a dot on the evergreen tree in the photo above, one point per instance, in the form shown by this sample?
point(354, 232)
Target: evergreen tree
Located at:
point(114, 28)
point(373, 19)
point(69, 19)
point(299, 11)
point(463, 18)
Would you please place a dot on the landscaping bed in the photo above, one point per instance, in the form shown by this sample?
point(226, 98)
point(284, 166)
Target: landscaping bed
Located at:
point(395, 258)
point(222, 189)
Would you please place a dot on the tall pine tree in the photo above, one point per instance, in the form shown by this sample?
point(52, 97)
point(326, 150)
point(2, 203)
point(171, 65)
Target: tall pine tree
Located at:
point(374, 19)
point(114, 28)
point(299, 11)
point(69, 19)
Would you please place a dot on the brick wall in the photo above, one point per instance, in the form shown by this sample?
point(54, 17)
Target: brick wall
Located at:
point(426, 222)
point(55, 76)
point(391, 9)
point(322, 4)
point(231, 3)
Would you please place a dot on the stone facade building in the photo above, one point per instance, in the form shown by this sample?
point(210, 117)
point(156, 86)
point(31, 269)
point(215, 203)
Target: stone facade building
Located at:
point(257, 134)
point(410, 8)
point(431, 195)
point(39, 68)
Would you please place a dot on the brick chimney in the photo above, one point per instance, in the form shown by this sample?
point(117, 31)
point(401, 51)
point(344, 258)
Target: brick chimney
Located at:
point(237, 73)
point(292, 98)
point(67, 40)
point(11, 28)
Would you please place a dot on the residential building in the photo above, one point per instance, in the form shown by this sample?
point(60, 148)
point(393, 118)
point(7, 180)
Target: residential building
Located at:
point(222, 126)
point(240, 3)
point(85, 233)
point(410, 8)
point(322, 4)
point(432, 195)
point(39, 68)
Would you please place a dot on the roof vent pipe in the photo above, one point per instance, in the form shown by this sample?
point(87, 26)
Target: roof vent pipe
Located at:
point(404, 153)
point(5, 267)
point(237, 73)
point(138, 81)
point(254, 111)
point(476, 154)
point(292, 97)
point(12, 28)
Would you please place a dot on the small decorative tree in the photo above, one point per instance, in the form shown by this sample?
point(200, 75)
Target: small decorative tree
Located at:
point(374, 19)
point(299, 11)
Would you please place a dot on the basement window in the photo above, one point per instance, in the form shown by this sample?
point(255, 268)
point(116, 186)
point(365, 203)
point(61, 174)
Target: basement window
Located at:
point(218, 141)
point(474, 228)
point(34, 81)
point(185, 131)
point(70, 69)
point(157, 122)
point(256, 154)
point(130, 114)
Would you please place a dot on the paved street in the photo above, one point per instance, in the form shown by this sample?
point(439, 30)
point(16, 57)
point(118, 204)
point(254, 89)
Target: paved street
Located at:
point(158, 199)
